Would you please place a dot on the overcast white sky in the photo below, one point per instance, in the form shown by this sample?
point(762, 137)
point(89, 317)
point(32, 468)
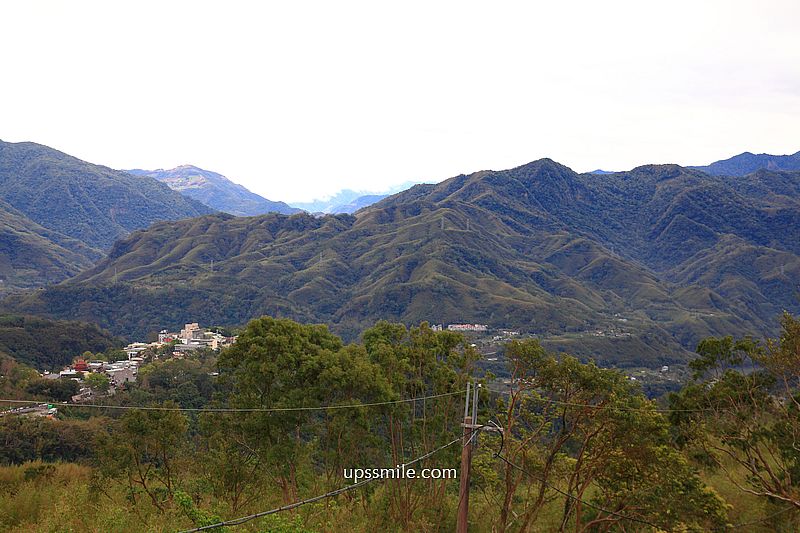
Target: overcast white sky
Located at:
point(297, 100)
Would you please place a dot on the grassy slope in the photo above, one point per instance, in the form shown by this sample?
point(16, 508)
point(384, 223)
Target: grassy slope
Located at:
point(64, 499)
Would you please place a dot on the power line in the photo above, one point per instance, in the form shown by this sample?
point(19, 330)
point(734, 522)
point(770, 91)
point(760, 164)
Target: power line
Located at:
point(499, 455)
point(237, 410)
point(577, 499)
point(626, 517)
point(614, 513)
point(760, 520)
point(242, 520)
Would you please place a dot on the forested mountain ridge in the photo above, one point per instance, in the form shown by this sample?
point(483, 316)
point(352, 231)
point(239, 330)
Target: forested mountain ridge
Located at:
point(662, 254)
point(50, 344)
point(215, 191)
point(60, 214)
point(91, 203)
point(745, 163)
point(33, 256)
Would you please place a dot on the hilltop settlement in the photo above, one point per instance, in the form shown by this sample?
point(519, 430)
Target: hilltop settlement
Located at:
point(103, 378)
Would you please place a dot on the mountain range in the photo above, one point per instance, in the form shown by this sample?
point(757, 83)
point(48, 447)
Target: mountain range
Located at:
point(216, 191)
point(746, 163)
point(623, 267)
point(221, 194)
point(59, 214)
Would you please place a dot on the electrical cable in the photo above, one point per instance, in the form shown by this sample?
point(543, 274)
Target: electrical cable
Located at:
point(761, 520)
point(498, 454)
point(232, 409)
point(242, 520)
point(577, 499)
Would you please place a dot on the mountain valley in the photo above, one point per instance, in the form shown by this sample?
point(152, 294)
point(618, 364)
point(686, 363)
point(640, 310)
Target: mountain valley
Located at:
point(663, 254)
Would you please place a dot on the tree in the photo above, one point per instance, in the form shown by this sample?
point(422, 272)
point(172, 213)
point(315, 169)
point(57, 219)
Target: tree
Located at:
point(742, 412)
point(591, 433)
point(184, 381)
point(145, 449)
point(420, 362)
point(97, 382)
point(60, 390)
point(24, 439)
point(112, 355)
point(278, 363)
point(232, 468)
point(238, 457)
point(15, 377)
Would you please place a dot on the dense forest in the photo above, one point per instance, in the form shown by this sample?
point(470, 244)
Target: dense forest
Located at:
point(281, 415)
point(50, 344)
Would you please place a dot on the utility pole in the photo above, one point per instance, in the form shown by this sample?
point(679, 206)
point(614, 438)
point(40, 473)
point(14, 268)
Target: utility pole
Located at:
point(470, 426)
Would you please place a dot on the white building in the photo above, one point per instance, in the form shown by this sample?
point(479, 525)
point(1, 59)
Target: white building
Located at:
point(191, 332)
point(467, 327)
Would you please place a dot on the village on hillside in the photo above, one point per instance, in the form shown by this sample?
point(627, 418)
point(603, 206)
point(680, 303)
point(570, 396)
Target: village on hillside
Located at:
point(103, 378)
point(98, 378)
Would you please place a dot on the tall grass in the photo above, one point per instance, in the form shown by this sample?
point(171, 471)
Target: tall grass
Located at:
point(63, 497)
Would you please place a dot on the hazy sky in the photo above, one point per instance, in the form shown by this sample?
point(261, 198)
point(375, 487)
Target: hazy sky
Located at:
point(297, 99)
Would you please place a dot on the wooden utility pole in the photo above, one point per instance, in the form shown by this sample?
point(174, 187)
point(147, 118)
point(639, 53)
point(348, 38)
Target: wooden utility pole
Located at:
point(470, 428)
point(466, 463)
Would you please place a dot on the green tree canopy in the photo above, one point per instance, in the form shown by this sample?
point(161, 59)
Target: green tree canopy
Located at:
point(742, 413)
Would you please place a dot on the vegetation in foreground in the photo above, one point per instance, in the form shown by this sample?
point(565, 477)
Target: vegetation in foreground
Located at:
point(725, 455)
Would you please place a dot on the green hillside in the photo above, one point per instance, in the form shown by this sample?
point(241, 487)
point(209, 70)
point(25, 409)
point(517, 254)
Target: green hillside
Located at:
point(33, 256)
point(50, 344)
point(661, 255)
point(59, 214)
point(91, 203)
